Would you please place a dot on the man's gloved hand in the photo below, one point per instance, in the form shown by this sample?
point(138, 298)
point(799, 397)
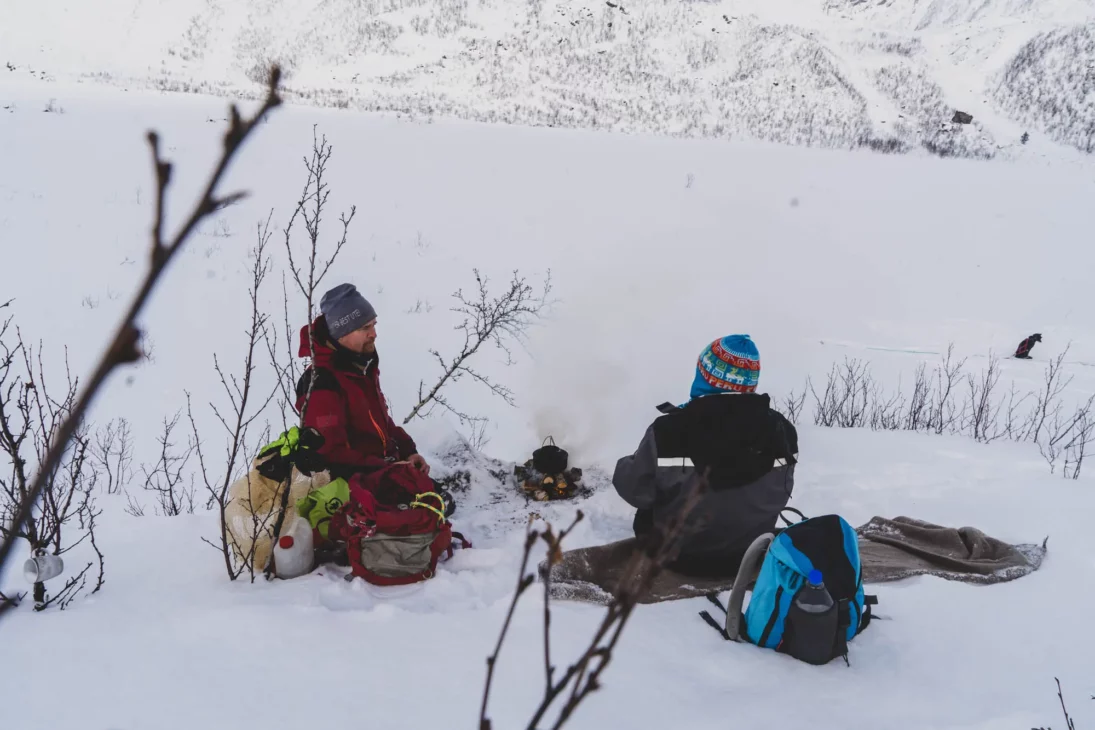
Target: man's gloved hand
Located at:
point(297, 447)
point(307, 457)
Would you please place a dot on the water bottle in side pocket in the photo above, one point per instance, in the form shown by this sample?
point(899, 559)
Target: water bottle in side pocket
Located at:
point(811, 624)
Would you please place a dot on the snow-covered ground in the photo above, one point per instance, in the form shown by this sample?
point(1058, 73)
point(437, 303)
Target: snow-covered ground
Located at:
point(655, 246)
point(833, 73)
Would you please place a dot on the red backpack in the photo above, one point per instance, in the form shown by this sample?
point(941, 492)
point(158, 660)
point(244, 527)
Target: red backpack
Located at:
point(394, 526)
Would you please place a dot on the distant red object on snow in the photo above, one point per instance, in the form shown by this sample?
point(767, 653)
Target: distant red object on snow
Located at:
point(1023, 351)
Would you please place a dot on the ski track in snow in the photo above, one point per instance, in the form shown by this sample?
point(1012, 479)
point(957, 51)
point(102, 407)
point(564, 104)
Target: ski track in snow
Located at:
point(649, 265)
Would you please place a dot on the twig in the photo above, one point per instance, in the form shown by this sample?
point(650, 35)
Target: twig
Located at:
point(1054, 386)
point(124, 347)
point(165, 478)
point(98, 553)
point(243, 416)
point(584, 676)
point(554, 557)
point(523, 583)
point(486, 319)
point(115, 463)
point(310, 208)
point(1068, 720)
point(6, 603)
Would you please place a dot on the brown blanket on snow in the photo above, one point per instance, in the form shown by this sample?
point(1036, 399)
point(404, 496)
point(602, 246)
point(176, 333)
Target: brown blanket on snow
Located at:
point(889, 550)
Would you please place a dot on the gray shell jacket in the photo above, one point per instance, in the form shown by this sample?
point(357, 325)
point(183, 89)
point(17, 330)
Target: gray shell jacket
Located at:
point(751, 452)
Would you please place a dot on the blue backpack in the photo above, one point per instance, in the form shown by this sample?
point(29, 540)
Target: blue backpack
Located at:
point(773, 620)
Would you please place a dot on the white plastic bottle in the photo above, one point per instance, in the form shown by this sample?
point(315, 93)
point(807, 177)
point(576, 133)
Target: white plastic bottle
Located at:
point(294, 555)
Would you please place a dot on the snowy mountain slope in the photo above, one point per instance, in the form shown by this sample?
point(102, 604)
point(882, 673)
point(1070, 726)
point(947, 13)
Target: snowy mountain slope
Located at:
point(656, 247)
point(930, 14)
point(795, 71)
point(1051, 83)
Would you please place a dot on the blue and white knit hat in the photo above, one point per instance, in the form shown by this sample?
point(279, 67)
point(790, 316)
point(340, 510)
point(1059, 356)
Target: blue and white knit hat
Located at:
point(731, 364)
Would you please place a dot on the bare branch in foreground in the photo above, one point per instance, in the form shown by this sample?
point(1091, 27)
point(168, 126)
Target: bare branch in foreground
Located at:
point(124, 346)
point(583, 677)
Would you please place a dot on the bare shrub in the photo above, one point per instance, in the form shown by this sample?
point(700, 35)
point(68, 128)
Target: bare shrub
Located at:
point(133, 506)
point(237, 421)
point(1083, 434)
point(1015, 426)
point(1067, 438)
point(884, 145)
point(853, 399)
point(1049, 397)
point(887, 412)
point(123, 347)
point(944, 410)
point(174, 490)
point(846, 400)
point(31, 417)
point(113, 451)
point(918, 416)
point(982, 410)
point(792, 404)
point(496, 320)
point(308, 267)
point(420, 307)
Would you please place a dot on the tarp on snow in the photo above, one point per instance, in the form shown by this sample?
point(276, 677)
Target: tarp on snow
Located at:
point(889, 550)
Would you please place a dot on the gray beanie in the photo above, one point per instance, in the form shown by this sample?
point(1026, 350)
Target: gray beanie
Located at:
point(345, 310)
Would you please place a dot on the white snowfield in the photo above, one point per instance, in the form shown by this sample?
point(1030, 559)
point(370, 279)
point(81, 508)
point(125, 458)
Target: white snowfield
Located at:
point(834, 73)
point(656, 247)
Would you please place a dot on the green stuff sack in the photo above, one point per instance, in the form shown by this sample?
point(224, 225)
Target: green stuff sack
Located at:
point(320, 505)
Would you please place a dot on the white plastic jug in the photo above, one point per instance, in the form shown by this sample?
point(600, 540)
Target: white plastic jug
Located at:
point(294, 554)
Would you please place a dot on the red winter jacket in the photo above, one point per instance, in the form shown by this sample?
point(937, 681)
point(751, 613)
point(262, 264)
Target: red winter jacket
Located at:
point(348, 408)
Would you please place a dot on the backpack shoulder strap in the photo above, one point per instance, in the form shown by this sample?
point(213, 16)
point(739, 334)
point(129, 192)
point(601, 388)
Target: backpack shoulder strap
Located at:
point(325, 379)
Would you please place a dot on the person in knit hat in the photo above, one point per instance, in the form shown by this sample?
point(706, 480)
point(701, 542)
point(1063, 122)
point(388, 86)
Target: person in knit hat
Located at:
point(729, 432)
point(728, 365)
point(339, 393)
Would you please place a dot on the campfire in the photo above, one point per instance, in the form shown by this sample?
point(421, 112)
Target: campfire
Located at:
point(546, 475)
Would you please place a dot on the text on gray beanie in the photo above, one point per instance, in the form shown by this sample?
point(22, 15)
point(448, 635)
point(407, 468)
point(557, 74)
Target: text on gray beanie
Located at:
point(345, 310)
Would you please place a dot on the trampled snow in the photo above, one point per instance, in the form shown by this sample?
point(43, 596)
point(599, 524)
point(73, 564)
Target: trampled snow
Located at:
point(655, 247)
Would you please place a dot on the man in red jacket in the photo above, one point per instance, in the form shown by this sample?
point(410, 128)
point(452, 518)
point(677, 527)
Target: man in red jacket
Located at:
point(339, 394)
